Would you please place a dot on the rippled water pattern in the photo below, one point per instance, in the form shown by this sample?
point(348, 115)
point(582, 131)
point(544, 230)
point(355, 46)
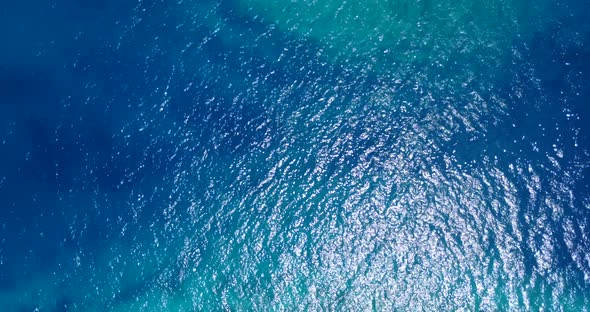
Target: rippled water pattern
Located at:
point(265, 155)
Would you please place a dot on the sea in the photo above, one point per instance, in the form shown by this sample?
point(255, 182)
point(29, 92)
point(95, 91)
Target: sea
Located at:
point(301, 155)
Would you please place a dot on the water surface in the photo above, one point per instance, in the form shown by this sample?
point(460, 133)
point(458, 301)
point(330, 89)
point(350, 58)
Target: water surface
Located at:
point(303, 155)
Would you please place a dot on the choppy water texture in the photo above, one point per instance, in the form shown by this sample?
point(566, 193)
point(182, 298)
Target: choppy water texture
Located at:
point(271, 155)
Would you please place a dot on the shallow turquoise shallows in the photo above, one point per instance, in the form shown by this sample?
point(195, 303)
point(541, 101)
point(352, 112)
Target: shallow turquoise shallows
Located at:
point(272, 155)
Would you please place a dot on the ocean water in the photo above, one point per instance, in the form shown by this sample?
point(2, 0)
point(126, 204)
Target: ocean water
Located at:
point(262, 155)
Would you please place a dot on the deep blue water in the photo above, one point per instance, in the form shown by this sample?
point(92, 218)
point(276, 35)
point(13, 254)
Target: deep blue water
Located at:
point(202, 156)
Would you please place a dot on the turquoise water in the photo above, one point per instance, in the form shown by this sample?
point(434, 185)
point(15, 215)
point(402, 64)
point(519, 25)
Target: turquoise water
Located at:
point(249, 155)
